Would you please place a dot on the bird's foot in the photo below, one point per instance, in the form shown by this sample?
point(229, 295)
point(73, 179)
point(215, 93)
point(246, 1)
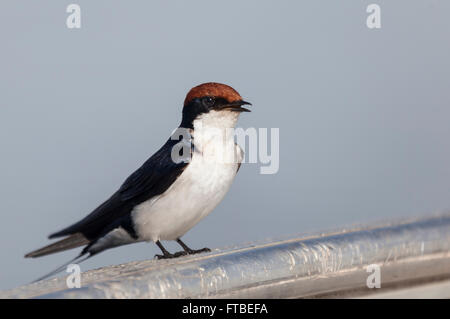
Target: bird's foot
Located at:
point(165, 256)
point(189, 251)
point(184, 253)
point(197, 251)
point(175, 255)
point(180, 253)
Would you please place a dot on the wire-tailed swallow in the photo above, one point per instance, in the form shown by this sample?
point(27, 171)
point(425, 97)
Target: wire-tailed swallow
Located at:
point(166, 196)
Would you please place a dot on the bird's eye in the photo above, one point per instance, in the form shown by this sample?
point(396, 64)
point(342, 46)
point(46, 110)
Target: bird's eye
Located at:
point(208, 101)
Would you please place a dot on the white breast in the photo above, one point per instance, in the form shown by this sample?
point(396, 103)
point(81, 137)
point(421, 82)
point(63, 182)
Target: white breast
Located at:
point(196, 192)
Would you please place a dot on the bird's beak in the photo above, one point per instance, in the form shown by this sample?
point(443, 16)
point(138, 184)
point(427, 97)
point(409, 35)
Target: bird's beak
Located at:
point(236, 106)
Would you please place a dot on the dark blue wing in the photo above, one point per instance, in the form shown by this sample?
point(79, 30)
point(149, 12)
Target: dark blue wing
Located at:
point(154, 177)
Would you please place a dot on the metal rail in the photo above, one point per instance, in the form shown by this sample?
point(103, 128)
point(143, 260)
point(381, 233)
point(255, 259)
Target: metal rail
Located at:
point(409, 253)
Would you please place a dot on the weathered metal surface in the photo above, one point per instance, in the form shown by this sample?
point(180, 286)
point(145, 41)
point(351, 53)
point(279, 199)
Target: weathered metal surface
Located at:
point(317, 265)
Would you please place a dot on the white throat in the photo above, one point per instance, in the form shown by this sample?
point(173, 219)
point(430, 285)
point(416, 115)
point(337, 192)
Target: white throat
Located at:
point(218, 119)
point(214, 131)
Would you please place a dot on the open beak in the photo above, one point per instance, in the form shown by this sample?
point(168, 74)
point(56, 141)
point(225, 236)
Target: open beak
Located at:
point(236, 106)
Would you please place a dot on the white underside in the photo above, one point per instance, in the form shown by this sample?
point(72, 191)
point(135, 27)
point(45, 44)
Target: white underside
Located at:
point(199, 189)
point(195, 193)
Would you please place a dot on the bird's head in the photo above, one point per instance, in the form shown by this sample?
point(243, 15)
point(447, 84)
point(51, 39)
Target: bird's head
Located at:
point(213, 103)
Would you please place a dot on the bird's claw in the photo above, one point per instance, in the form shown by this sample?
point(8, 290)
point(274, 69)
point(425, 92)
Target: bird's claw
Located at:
point(183, 253)
point(180, 253)
point(198, 251)
point(165, 256)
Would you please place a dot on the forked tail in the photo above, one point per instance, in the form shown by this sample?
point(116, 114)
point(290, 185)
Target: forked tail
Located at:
point(76, 260)
point(73, 241)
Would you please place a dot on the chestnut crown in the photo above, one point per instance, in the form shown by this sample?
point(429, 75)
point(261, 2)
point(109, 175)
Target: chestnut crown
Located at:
point(210, 96)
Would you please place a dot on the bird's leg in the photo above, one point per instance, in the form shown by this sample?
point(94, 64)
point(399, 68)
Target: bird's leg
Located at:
point(165, 254)
point(189, 251)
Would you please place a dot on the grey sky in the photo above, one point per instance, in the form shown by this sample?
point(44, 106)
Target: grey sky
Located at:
point(363, 114)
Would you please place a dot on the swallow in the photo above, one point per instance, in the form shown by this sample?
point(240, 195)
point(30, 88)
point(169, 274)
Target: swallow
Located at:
point(173, 190)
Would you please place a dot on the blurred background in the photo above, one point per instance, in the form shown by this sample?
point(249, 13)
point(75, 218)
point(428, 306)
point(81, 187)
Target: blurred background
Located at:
point(363, 113)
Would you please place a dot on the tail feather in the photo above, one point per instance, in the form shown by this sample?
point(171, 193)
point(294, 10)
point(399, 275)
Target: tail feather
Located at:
point(73, 241)
point(76, 260)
